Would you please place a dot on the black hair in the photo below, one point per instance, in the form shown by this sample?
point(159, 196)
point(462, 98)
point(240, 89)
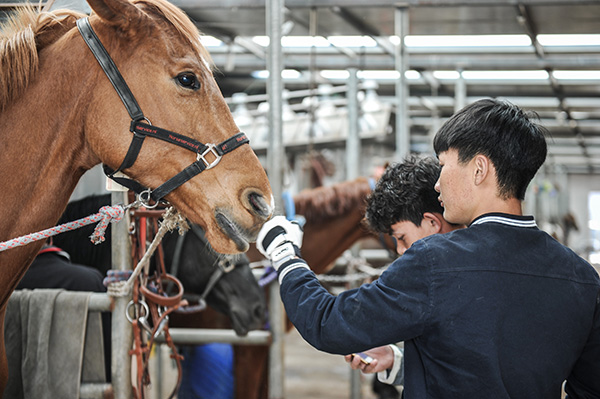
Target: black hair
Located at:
point(404, 193)
point(505, 134)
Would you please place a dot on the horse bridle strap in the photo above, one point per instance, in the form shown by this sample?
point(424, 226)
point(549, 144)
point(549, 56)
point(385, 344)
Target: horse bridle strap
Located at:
point(207, 155)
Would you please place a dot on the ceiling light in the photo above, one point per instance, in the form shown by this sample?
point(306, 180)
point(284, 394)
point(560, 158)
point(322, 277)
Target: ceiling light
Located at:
point(505, 75)
point(210, 41)
point(576, 75)
point(352, 41)
point(294, 41)
point(285, 74)
point(569, 40)
point(464, 40)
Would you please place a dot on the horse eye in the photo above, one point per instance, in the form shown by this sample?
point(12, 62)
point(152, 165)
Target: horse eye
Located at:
point(188, 80)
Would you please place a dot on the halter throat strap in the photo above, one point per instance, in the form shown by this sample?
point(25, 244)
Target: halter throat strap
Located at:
point(207, 155)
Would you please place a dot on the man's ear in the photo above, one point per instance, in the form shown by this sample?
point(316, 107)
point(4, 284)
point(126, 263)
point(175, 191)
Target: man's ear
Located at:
point(482, 165)
point(433, 222)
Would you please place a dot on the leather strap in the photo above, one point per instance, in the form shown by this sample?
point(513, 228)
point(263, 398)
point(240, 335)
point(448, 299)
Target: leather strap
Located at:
point(109, 67)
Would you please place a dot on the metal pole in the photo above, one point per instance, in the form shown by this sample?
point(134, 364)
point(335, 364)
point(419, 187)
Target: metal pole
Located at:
point(401, 61)
point(275, 163)
point(352, 172)
point(353, 139)
point(122, 337)
point(460, 92)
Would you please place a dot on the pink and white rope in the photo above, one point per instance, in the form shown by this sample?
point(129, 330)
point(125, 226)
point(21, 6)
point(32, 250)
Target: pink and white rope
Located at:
point(106, 214)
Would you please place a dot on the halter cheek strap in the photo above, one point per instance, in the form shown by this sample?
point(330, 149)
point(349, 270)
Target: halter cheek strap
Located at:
point(207, 155)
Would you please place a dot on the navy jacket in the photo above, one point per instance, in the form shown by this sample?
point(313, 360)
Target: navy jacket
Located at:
point(497, 310)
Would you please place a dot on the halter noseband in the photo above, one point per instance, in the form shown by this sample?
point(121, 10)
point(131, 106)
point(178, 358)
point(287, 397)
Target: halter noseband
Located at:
point(207, 155)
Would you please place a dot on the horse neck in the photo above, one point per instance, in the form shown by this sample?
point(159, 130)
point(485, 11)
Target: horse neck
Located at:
point(43, 156)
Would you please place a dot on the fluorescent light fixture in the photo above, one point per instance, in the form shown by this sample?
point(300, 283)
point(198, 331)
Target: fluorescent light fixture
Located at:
point(294, 41)
point(576, 75)
point(210, 41)
point(304, 41)
point(342, 74)
point(352, 41)
point(505, 75)
point(569, 40)
point(446, 75)
point(285, 74)
point(411, 74)
point(262, 40)
point(335, 74)
point(290, 74)
point(378, 75)
point(464, 40)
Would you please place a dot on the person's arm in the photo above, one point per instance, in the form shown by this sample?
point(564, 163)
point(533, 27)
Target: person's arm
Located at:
point(394, 308)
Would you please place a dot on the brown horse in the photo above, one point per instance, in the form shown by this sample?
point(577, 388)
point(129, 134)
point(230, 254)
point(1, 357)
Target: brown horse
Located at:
point(59, 116)
point(334, 222)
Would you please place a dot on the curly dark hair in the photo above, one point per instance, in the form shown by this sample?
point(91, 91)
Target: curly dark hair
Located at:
point(404, 192)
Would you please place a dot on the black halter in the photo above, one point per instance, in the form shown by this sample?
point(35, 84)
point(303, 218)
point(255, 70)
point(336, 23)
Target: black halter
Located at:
point(141, 127)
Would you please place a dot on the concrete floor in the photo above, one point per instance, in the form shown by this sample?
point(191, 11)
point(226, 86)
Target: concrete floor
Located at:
point(309, 374)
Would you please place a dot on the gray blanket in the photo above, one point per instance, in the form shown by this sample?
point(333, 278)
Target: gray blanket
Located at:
point(45, 332)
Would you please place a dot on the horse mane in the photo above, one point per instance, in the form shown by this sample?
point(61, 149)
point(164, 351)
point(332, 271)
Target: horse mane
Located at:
point(26, 32)
point(325, 203)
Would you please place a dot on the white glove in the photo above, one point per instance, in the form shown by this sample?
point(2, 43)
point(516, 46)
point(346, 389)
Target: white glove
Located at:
point(279, 240)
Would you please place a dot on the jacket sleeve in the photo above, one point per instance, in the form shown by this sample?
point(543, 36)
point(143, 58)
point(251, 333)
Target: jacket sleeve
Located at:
point(393, 308)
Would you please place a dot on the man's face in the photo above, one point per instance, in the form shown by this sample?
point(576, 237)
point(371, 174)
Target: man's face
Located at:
point(406, 233)
point(455, 187)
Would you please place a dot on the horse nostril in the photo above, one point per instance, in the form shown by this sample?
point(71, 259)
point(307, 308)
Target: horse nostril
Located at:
point(259, 205)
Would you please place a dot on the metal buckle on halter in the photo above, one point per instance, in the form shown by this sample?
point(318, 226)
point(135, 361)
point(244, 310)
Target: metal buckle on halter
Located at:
point(211, 149)
point(144, 198)
point(226, 264)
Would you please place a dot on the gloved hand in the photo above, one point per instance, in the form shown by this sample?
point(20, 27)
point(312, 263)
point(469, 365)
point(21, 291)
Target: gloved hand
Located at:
point(279, 240)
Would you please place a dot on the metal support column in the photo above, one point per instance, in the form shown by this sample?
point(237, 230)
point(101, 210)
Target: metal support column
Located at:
point(352, 172)
point(353, 138)
point(402, 92)
point(122, 336)
point(460, 92)
point(275, 163)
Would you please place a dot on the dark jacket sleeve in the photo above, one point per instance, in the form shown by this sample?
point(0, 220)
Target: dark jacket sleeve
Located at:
point(393, 308)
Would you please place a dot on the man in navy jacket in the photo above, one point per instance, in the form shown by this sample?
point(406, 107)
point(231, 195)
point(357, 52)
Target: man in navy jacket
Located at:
point(496, 310)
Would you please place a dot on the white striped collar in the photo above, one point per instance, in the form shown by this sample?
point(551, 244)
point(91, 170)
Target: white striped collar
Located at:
point(504, 218)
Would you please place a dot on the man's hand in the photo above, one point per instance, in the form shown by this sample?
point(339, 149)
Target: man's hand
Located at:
point(279, 240)
point(383, 359)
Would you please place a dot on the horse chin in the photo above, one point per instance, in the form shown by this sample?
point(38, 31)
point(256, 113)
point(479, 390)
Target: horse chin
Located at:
point(236, 234)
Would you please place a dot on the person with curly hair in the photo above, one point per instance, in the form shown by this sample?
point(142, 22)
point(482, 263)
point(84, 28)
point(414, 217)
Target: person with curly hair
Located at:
point(404, 205)
point(499, 309)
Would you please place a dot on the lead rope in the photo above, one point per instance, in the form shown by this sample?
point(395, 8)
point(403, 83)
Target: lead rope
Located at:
point(106, 214)
point(172, 219)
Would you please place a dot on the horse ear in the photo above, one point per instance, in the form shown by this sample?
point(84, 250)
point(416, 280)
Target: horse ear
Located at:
point(116, 12)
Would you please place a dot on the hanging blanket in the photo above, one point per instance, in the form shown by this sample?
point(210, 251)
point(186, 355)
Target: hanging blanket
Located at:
point(52, 344)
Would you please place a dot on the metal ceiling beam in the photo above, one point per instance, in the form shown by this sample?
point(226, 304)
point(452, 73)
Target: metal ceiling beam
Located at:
point(529, 26)
point(372, 3)
point(249, 62)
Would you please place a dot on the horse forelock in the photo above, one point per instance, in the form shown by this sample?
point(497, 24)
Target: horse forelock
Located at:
point(181, 23)
point(22, 36)
point(325, 203)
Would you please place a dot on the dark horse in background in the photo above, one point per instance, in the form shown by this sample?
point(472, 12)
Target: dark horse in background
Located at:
point(236, 293)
